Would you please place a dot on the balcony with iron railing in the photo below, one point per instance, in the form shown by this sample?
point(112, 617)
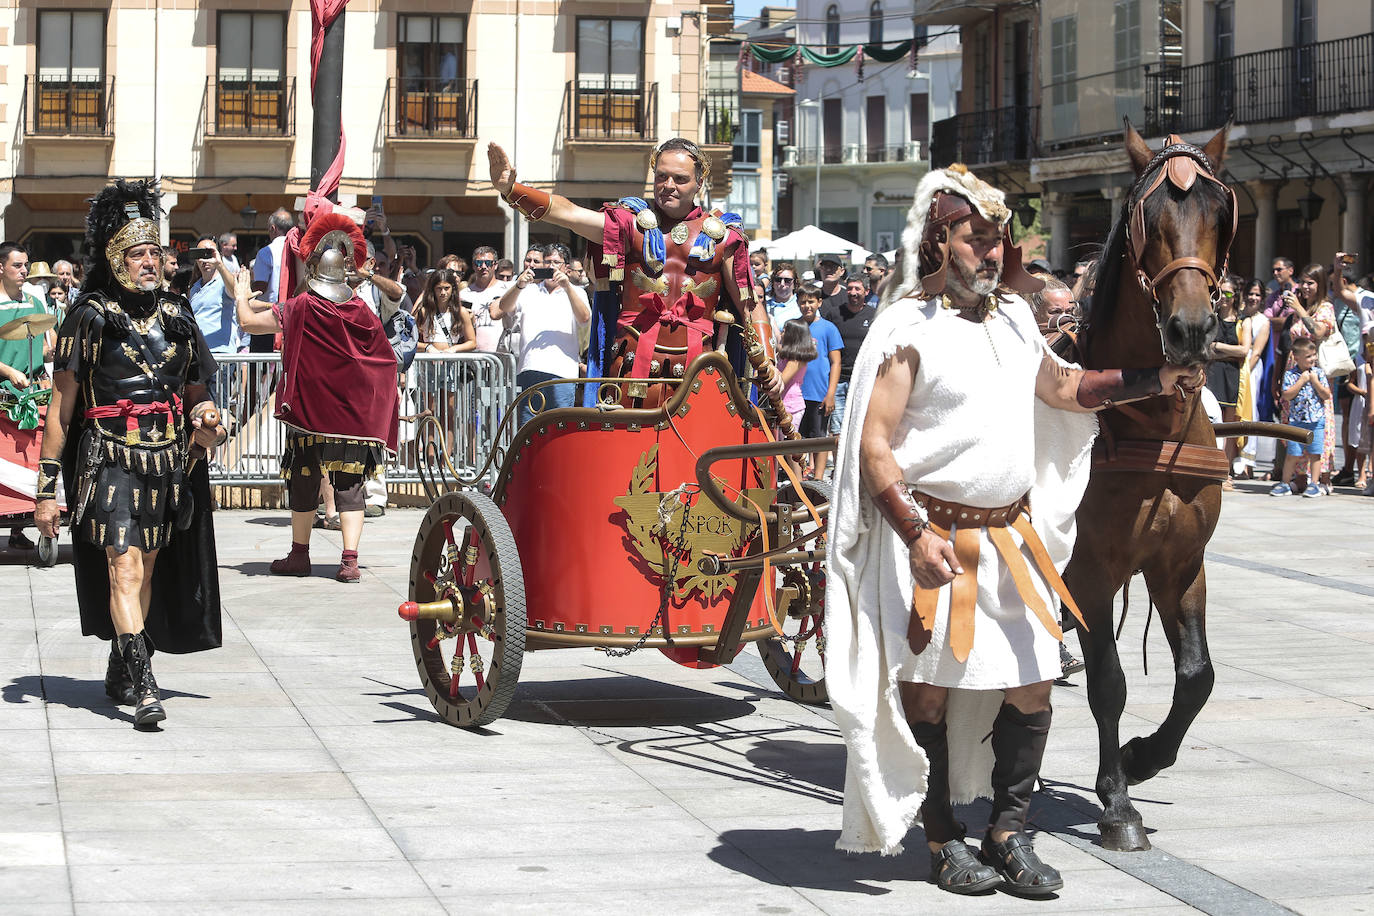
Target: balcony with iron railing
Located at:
point(853, 154)
point(982, 137)
point(250, 108)
point(610, 111)
point(421, 108)
point(720, 116)
point(1279, 84)
point(72, 106)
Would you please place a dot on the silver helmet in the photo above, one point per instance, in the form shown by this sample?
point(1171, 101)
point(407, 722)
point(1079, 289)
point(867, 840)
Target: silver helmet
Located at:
point(328, 276)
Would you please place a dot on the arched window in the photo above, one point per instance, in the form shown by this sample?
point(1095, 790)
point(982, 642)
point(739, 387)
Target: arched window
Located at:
point(832, 29)
point(875, 23)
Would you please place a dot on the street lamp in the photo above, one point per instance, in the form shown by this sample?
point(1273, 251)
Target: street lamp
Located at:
point(815, 103)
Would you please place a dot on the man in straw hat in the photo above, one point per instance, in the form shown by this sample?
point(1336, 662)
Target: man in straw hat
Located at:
point(943, 587)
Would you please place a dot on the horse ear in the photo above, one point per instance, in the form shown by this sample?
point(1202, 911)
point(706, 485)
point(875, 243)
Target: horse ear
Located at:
point(1216, 147)
point(1137, 148)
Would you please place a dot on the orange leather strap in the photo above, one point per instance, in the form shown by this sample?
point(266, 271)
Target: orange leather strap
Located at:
point(963, 596)
point(1046, 567)
point(1020, 574)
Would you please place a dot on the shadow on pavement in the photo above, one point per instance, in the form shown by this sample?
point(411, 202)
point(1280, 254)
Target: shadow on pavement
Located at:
point(272, 521)
point(72, 693)
point(799, 858)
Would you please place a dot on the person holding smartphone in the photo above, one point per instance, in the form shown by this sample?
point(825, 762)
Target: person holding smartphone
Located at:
point(549, 308)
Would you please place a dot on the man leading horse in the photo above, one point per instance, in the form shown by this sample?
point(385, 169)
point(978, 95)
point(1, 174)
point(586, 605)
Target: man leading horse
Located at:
point(962, 460)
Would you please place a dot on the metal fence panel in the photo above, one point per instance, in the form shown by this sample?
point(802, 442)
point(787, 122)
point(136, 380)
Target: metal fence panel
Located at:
point(468, 393)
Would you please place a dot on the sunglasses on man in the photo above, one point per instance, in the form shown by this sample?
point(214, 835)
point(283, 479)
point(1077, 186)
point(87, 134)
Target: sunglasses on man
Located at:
point(483, 263)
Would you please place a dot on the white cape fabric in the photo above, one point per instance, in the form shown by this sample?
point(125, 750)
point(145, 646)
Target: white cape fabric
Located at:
point(885, 777)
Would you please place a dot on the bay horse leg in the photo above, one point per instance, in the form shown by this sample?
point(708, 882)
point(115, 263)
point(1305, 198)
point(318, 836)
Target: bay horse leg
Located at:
point(1180, 596)
point(1094, 576)
point(1121, 827)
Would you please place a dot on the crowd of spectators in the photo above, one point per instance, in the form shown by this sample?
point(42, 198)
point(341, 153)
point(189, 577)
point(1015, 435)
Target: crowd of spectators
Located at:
point(1276, 359)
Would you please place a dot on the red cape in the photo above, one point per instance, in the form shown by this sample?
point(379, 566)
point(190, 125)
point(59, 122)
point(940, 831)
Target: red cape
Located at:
point(339, 371)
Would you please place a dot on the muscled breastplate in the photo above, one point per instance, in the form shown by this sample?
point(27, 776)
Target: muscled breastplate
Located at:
point(133, 392)
point(667, 311)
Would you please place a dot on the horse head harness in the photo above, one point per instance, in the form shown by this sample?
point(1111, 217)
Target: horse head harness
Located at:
point(1183, 163)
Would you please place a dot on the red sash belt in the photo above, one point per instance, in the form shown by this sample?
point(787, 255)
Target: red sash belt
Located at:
point(688, 310)
point(131, 411)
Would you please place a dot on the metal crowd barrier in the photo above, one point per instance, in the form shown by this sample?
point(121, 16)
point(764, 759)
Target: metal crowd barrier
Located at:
point(467, 393)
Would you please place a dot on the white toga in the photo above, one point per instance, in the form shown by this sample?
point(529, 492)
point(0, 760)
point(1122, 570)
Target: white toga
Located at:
point(972, 433)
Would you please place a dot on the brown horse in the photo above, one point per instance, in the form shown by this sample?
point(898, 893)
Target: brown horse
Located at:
point(1156, 285)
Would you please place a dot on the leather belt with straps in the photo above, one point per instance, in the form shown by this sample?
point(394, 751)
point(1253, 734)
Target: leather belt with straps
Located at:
point(967, 523)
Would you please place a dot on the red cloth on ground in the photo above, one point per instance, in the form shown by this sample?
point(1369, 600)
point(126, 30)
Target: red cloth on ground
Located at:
point(339, 371)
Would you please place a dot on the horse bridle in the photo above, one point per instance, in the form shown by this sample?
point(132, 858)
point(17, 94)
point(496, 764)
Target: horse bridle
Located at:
point(1182, 164)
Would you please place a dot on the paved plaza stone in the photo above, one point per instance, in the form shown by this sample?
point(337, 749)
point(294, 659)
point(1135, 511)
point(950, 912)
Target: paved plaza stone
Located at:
point(301, 768)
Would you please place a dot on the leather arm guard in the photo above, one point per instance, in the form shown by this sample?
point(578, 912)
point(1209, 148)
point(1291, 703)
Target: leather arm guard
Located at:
point(902, 513)
point(763, 330)
point(531, 202)
point(1101, 388)
point(49, 472)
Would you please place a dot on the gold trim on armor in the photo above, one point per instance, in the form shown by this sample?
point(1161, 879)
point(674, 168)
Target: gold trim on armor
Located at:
point(714, 228)
point(137, 494)
point(680, 233)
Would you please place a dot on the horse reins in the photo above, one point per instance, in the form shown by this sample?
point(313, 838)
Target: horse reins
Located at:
point(1179, 163)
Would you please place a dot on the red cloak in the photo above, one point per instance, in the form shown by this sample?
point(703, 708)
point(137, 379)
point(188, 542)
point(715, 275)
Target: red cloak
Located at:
point(339, 370)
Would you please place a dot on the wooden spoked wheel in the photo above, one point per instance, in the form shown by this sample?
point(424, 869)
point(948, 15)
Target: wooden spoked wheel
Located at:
point(796, 661)
point(465, 559)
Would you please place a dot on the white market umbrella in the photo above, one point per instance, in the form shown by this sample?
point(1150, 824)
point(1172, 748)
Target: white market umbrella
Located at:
point(806, 243)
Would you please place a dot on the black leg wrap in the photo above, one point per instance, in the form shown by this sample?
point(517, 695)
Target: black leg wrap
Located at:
point(937, 815)
point(148, 707)
point(1018, 746)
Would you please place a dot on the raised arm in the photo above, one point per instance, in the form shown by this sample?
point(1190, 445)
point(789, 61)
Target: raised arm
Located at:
point(541, 205)
point(254, 315)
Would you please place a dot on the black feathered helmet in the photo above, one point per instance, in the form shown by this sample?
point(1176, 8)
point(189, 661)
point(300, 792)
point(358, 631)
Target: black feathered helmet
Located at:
point(125, 214)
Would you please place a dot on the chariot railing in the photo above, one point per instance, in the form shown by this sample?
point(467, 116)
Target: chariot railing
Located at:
point(451, 412)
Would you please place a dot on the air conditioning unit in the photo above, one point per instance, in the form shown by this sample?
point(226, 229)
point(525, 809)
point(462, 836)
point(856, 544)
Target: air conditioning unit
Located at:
point(782, 132)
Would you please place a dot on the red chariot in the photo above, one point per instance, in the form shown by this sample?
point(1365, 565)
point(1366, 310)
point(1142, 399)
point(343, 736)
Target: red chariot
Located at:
point(620, 529)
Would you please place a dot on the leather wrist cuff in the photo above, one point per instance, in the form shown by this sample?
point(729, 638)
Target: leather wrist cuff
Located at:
point(531, 202)
point(763, 329)
point(49, 472)
point(902, 513)
point(1098, 388)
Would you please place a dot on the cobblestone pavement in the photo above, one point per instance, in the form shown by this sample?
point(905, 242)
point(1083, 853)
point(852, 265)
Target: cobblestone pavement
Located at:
point(302, 769)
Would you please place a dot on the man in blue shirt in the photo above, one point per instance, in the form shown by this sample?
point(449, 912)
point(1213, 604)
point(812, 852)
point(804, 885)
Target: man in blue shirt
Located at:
point(212, 301)
point(822, 375)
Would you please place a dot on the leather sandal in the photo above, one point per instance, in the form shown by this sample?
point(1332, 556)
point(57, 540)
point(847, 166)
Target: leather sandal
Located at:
point(1021, 870)
point(954, 868)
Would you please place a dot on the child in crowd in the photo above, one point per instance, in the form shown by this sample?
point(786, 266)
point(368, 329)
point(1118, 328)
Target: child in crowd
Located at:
point(795, 350)
point(1306, 391)
point(1358, 435)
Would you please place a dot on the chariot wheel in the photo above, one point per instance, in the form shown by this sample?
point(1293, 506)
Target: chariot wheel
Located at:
point(47, 551)
point(467, 609)
point(796, 660)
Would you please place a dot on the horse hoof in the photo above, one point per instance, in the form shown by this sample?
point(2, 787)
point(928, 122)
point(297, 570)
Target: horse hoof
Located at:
point(1127, 837)
point(1135, 772)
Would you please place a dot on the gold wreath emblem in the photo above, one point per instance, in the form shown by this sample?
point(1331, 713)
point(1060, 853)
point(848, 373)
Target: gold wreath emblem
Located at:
point(691, 530)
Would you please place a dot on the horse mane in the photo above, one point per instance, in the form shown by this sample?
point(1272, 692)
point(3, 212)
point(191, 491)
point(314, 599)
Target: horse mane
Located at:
point(1102, 306)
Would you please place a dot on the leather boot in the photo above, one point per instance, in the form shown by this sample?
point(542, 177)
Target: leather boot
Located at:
point(953, 867)
point(348, 567)
point(118, 685)
point(1018, 747)
point(295, 563)
point(148, 706)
